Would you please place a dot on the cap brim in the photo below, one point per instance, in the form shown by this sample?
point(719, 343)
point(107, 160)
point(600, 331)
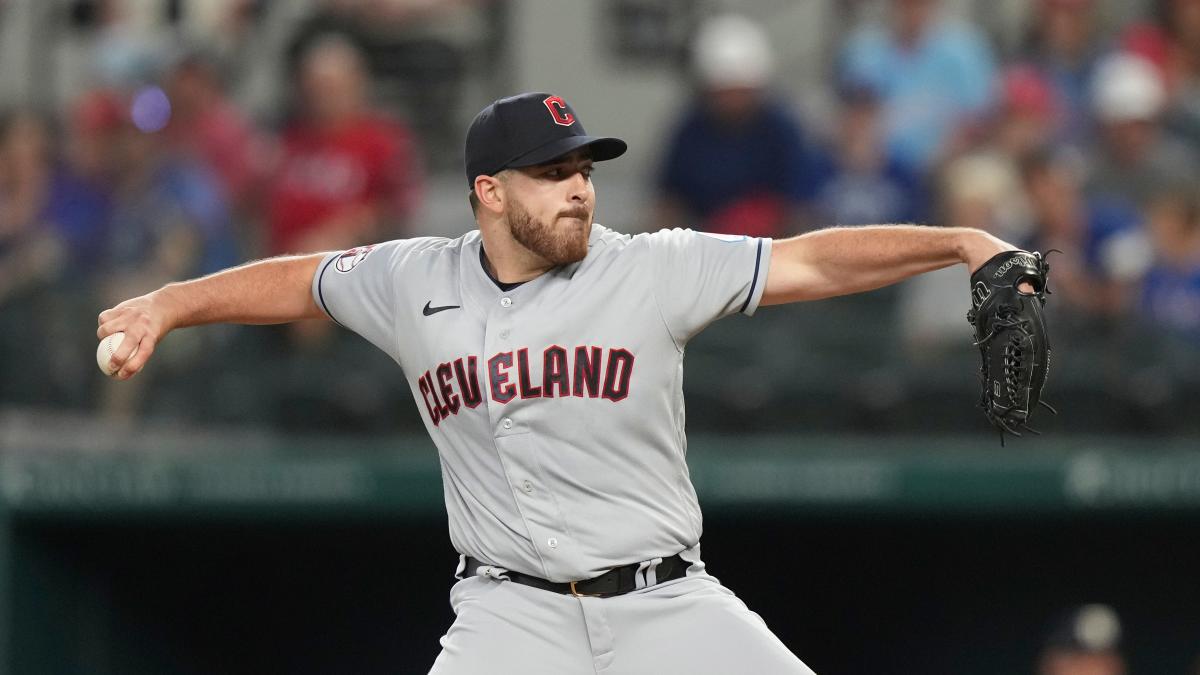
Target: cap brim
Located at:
point(603, 148)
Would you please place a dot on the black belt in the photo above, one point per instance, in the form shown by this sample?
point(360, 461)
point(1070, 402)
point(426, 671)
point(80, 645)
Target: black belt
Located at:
point(616, 581)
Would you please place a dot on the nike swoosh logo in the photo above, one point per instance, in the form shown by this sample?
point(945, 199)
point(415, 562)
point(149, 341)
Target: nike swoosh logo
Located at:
point(434, 310)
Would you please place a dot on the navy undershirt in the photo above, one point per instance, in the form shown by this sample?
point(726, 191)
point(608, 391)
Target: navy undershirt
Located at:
point(503, 286)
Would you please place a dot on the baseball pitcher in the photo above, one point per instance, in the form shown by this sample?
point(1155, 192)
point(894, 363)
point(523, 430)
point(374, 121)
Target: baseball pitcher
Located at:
point(545, 354)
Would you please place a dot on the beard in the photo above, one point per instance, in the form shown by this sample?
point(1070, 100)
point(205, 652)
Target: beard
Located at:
point(559, 245)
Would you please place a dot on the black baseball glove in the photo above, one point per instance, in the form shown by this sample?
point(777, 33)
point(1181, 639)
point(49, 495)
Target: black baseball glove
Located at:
point(1010, 331)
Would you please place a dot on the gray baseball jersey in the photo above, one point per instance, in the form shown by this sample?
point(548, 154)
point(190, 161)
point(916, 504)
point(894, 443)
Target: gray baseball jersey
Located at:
point(556, 406)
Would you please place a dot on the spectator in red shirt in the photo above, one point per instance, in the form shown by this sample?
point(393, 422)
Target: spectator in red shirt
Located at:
point(207, 126)
point(347, 175)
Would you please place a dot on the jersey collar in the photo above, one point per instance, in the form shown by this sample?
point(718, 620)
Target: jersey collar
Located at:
point(485, 290)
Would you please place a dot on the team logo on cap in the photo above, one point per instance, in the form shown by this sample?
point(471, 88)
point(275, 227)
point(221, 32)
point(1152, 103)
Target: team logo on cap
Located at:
point(558, 110)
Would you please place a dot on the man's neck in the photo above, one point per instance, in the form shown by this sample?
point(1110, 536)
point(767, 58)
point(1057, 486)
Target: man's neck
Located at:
point(507, 260)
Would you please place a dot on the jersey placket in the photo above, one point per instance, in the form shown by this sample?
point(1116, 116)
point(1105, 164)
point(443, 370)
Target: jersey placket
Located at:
point(511, 426)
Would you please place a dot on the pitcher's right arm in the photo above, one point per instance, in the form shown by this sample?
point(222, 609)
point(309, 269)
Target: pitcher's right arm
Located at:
point(275, 290)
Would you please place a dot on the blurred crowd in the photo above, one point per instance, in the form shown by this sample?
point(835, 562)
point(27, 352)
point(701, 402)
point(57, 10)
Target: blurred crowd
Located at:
point(1077, 137)
point(152, 173)
point(1075, 141)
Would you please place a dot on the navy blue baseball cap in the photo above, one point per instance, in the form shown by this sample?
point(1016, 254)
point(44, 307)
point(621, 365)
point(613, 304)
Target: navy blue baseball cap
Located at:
point(529, 129)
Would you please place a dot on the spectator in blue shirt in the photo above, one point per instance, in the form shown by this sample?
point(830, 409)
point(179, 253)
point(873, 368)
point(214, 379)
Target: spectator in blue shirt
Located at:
point(737, 162)
point(1105, 251)
point(1171, 289)
point(1063, 46)
point(80, 200)
point(859, 181)
point(933, 75)
point(170, 217)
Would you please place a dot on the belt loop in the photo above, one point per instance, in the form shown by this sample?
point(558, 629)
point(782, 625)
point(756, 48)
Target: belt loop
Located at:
point(472, 567)
point(651, 571)
point(493, 572)
point(639, 577)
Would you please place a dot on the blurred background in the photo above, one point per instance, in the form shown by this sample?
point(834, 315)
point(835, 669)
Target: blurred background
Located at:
point(263, 499)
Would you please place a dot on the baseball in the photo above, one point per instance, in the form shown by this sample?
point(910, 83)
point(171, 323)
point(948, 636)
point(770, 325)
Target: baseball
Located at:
point(104, 353)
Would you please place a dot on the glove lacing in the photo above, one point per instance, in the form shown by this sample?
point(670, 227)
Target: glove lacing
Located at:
point(1013, 361)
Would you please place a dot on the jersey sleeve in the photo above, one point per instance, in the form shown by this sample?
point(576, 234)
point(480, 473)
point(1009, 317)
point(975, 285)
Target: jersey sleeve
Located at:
point(357, 288)
point(702, 277)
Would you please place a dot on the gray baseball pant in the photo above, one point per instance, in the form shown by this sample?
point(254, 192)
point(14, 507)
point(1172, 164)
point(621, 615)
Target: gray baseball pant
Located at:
point(691, 625)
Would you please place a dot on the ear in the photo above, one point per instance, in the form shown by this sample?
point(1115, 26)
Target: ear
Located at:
point(489, 190)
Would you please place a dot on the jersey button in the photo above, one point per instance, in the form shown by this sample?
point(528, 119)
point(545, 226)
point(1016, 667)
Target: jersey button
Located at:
point(504, 334)
point(507, 423)
point(506, 302)
point(527, 486)
point(552, 542)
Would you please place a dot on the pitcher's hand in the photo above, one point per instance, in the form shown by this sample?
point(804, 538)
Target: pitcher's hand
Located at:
point(145, 320)
point(982, 247)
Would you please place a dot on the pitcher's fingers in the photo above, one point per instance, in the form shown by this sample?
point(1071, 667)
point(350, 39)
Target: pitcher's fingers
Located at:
point(111, 326)
point(133, 336)
point(108, 315)
point(138, 360)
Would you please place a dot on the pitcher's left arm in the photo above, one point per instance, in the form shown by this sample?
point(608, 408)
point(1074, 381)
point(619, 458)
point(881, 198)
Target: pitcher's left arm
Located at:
point(845, 260)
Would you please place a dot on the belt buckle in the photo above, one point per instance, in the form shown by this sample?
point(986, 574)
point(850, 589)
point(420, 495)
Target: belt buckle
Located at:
point(577, 594)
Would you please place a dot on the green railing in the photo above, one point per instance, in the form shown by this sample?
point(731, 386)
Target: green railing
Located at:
point(784, 473)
